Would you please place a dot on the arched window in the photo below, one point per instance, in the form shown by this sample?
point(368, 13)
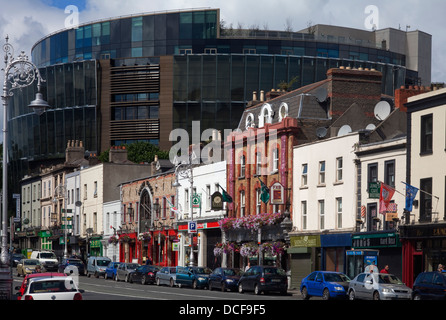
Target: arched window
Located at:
point(266, 115)
point(146, 211)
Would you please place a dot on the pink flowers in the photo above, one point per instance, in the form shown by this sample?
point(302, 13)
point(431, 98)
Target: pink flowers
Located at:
point(252, 222)
point(221, 248)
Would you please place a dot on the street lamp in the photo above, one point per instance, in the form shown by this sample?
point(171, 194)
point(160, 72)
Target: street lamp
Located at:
point(18, 73)
point(184, 169)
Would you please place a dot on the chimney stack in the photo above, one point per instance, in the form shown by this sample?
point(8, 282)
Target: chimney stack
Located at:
point(403, 93)
point(117, 154)
point(74, 151)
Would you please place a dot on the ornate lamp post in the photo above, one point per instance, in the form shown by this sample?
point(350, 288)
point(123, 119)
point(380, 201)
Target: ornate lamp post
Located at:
point(19, 73)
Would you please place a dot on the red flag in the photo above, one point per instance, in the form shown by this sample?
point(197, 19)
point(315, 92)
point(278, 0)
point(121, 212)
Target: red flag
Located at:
point(385, 196)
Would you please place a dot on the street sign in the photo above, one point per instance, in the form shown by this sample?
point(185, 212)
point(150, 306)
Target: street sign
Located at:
point(192, 227)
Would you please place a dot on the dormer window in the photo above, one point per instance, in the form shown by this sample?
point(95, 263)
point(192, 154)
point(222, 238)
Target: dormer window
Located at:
point(266, 115)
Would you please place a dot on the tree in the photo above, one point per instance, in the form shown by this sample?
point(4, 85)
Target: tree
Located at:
point(138, 152)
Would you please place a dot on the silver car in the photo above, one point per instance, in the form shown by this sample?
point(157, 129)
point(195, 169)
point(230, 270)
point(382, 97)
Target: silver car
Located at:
point(123, 271)
point(378, 286)
point(166, 275)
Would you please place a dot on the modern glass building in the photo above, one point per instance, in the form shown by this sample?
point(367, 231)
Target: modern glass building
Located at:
point(138, 77)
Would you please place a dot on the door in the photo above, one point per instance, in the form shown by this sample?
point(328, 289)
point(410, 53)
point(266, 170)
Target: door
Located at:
point(318, 284)
point(358, 286)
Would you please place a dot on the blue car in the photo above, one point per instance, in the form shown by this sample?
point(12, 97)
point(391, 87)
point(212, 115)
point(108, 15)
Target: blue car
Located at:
point(68, 265)
point(225, 279)
point(325, 284)
point(110, 271)
point(195, 277)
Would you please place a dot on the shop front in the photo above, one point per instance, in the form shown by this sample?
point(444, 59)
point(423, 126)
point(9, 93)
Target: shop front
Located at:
point(305, 251)
point(423, 249)
point(387, 243)
point(333, 251)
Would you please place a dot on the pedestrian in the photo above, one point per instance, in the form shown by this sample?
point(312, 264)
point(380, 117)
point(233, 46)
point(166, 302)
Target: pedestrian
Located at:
point(248, 266)
point(385, 269)
point(440, 268)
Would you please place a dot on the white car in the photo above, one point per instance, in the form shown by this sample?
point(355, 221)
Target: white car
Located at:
point(52, 288)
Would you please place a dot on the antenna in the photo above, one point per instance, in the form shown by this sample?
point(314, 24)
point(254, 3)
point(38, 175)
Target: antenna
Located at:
point(345, 129)
point(370, 127)
point(382, 110)
point(321, 94)
point(321, 132)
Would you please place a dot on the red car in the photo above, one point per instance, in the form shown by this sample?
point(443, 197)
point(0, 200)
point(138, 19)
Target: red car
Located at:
point(22, 288)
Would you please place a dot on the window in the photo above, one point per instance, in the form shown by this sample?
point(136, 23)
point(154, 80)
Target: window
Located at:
point(85, 191)
point(372, 173)
point(389, 173)
point(242, 166)
point(210, 50)
point(321, 204)
point(164, 207)
point(242, 203)
point(426, 134)
point(208, 197)
point(339, 169)
point(303, 206)
point(426, 199)
point(95, 194)
point(304, 179)
point(322, 172)
point(339, 212)
point(172, 201)
point(275, 160)
point(258, 163)
point(186, 200)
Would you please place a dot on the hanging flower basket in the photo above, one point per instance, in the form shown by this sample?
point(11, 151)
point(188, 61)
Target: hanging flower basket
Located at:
point(126, 239)
point(252, 222)
point(273, 248)
point(113, 240)
point(221, 248)
point(249, 249)
point(145, 236)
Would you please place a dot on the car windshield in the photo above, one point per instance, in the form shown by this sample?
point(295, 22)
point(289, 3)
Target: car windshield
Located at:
point(32, 262)
point(52, 286)
point(389, 279)
point(47, 255)
point(203, 270)
point(336, 277)
point(102, 263)
point(278, 271)
point(231, 272)
point(132, 266)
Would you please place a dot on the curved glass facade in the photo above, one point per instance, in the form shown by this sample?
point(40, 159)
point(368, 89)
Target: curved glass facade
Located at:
point(155, 72)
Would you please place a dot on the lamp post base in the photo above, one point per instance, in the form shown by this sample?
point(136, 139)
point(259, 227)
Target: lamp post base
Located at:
point(5, 283)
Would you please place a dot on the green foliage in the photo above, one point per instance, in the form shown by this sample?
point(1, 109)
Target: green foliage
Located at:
point(139, 152)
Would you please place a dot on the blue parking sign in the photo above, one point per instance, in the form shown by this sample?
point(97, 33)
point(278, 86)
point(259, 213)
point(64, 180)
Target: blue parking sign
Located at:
point(192, 226)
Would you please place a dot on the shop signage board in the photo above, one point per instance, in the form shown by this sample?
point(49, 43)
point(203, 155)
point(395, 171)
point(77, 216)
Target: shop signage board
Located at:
point(374, 190)
point(277, 193)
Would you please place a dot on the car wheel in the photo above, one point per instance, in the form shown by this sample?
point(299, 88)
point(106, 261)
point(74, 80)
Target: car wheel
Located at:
point(194, 284)
point(304, 292)
point(172, 283)
point(351, 295)
point(240, 288)
point(128, 278)
point(257, 290)
point(105, 276)
point(144, 280)
point(326, 294)
point(376, 295)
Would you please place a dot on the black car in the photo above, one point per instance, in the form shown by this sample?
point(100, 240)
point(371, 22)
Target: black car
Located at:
point(69, 264)
point(429, 286)
point(144, 274)
point(263, 279)
point(15, 258)
point(224, 279)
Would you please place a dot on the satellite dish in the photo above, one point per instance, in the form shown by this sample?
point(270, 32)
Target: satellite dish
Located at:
point(321, 132)
point(283, 111)
point(382, 110)
point(370, 127)
point(321, 94)
point(345, 129)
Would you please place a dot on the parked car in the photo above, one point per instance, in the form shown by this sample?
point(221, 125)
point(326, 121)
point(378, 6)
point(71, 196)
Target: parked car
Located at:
point(144, 274)
point(263, 279)
point(429, 286)
point(52, 288)
point(167, 275)
point(96, 266)
point(27, 266)
point(325, 284)
point(69, 264)
point(123, 271)
point(110, 271)
point(378, 286)
point(25, 281)
point(15, 258)
point(48, 260)
point(225, 279)
point(195, 277)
